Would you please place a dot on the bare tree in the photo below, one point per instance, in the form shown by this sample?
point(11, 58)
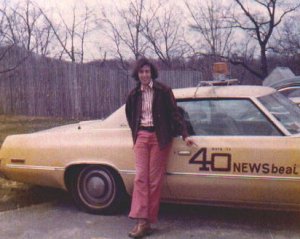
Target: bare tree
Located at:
point(3, 25)
point(127, 33)
point(210, 20)
point(44, 38)
point(259, 19)
point(29, 16)
point(287, 39)
point(9, 21)
point(71, 37)
point(12, 39)
point(165, 33)
point(21, 24)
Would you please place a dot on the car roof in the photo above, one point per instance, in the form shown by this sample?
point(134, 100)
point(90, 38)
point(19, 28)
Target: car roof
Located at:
point(236, 91)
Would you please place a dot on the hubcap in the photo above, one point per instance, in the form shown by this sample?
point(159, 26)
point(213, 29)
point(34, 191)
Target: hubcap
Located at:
point(96, 187)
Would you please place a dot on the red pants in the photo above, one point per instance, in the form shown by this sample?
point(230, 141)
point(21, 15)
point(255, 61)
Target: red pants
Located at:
point(150, 170)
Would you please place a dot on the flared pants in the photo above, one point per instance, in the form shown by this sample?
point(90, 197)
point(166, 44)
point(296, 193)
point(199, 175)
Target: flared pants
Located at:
point(150, 165)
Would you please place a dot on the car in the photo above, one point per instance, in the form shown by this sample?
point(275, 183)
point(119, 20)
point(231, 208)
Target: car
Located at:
point(247, 153)
point(290, 88)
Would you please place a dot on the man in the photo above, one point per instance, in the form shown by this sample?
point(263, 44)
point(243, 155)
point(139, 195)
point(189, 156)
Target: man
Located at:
point(154, 119)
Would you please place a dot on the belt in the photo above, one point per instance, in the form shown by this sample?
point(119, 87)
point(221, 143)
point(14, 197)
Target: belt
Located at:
point(148, 128)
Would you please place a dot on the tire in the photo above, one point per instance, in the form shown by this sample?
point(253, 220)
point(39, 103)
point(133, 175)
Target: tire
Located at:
point(97, 190)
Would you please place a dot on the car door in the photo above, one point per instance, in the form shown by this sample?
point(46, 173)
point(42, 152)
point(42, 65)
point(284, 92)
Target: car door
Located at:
point(240, 155)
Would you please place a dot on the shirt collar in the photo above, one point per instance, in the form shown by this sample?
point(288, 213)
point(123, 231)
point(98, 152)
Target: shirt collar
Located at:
point(150, 85)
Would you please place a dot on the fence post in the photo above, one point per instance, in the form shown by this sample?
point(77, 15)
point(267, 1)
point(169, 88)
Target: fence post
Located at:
point(76, 95)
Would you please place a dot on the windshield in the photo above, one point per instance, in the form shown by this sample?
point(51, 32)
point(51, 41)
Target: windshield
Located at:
point(283, 110)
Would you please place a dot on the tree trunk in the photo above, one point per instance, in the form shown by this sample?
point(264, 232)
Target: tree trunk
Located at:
point(264, 62)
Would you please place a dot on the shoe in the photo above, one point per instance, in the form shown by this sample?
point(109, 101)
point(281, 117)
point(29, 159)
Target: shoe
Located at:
point(140, 230)
point(134, 230)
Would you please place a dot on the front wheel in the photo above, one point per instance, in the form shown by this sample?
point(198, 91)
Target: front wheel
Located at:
point(97, 189)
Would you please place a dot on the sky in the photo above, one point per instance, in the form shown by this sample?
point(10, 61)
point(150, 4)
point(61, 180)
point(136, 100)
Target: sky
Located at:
point(64, 7)
point(56, 9)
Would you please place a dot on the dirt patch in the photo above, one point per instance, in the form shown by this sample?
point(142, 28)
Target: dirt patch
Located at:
point(15, 195)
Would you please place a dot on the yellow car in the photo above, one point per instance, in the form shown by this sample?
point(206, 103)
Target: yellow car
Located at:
point(247, 153)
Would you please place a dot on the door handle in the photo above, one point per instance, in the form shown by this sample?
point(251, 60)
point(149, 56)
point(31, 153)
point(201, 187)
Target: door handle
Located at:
point(184, 153)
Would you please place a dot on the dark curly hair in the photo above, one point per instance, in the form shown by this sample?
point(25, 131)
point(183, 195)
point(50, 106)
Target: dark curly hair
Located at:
point(141, 63)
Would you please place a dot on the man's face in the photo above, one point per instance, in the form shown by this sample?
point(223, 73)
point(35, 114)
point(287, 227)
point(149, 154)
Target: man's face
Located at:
point(145, 75)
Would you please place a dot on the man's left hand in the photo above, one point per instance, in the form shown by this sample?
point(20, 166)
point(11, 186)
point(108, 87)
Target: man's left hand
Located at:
point(190, 142)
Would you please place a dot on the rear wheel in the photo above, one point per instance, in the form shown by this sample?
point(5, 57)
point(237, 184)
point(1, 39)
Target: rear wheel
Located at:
point(97, 189)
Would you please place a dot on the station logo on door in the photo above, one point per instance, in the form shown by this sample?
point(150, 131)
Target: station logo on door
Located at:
point(221, 161)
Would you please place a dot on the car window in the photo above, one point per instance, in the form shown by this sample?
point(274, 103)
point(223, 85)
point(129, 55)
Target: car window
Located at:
point(290, 92)
point(225, 117)
point(283, 110)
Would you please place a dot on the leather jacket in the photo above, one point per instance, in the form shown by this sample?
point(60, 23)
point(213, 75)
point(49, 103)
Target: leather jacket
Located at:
point(167, 120)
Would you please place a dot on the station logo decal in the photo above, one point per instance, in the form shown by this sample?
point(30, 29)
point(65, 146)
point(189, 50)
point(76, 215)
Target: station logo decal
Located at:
point(222, 162)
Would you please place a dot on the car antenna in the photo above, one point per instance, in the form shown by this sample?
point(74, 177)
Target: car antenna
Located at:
point(201, 83)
